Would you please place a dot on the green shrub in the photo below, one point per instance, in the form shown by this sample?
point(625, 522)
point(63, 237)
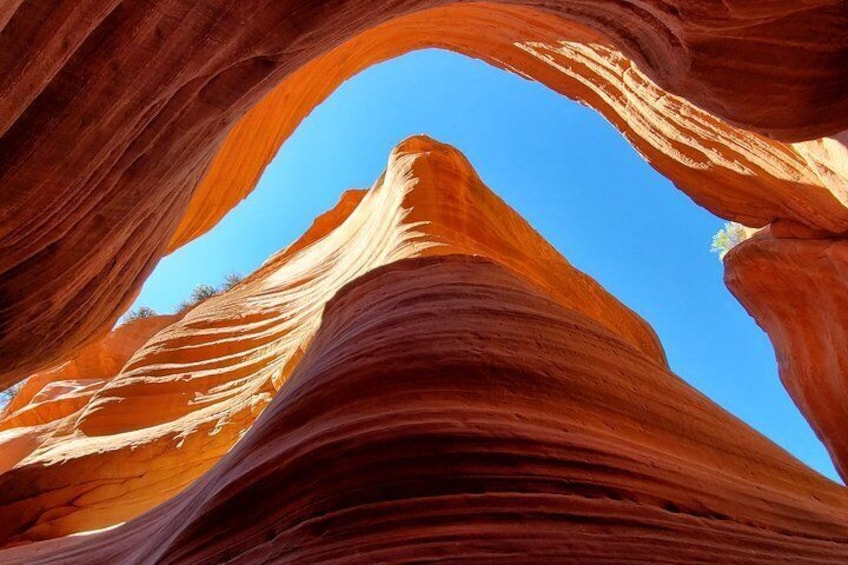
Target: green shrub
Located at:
point(203, 292)
point(232, 280)
point(200, 293)
point(139, 313)
point(10, 393)
point(731, 235)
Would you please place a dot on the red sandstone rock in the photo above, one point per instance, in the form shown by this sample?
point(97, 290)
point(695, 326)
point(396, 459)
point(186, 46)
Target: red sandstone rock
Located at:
point(504, 407)
point(41, 420)
point(118, 117)
point(189, 393)
point(437, 382)
point(51, 390)
point(797, 291)
point(446, 409)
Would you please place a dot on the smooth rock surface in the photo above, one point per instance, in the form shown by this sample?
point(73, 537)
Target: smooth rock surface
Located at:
point(448, 410)
point(797, 291)
point(119, 118)
point(195, 387)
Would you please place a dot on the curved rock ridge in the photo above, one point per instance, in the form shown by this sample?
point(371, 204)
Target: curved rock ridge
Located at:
point(43, 414)
point(100, 361)
point(735, 173)
point(797, 291)
point(153, 91)
point(195, 387)
point(447, 409)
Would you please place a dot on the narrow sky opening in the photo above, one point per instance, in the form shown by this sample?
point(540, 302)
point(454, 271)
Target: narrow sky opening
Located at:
point(560, 165)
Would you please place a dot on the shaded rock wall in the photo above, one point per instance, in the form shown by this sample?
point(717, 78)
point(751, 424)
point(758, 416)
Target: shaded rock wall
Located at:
point(113, 113)
point(130, 128)
point(797, 290)
point(192, 390)
point(448, 409)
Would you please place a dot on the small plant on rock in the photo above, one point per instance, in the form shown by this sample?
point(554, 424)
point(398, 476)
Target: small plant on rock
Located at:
point(7, 395)
point(139, 313)
point(728, 237)
point(200, 293)
point(232, 280)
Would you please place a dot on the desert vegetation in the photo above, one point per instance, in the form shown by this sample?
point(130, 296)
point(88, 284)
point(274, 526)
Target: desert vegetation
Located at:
point(728, 237)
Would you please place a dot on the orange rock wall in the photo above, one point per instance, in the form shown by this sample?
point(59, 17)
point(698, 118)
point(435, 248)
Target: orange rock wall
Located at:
point(505, 404)
point(497, 426)
point(149, 102)
point(40, 421)
point(192, 390)
point(797, 290)
point(737, 174)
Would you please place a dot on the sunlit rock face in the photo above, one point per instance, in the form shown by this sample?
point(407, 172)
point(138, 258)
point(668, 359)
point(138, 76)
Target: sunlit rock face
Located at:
point(797, 290)
point(419, 376)
point(159, 419)
point(43, 412)
point(129, 128)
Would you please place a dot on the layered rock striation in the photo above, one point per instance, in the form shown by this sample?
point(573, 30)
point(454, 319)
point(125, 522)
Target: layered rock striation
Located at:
point(420, 376)
point(461, 388)
point(127, 131)
point(45, 409)
point(497, 427)
point(193, 389)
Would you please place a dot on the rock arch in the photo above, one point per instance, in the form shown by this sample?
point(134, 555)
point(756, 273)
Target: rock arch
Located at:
point(123, 130)
point(131, 128)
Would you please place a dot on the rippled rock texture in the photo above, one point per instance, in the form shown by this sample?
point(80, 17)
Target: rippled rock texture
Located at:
point(797, 290)
point(129, 128)
point(168, 412)
point(419, 376)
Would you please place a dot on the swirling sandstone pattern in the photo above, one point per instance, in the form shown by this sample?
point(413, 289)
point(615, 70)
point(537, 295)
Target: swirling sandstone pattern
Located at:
point(46, 407)
point(192, 390)
point(497, 407)
point(436, 382)
point(149, 102)
point(497, 426)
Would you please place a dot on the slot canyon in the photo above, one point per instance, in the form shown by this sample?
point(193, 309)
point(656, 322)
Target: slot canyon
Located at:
point(421, 376)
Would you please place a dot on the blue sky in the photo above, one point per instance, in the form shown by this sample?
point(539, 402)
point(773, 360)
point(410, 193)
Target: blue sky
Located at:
point(560, 165)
